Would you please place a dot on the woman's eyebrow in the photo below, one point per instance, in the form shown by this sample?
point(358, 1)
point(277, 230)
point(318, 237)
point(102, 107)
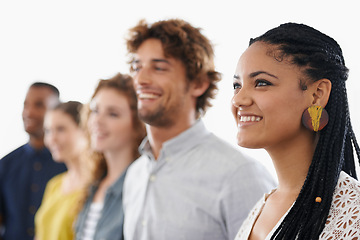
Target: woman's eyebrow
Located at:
point(254, 74)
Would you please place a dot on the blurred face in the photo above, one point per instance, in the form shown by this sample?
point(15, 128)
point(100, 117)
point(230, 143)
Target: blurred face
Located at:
point(36, 103)
point(161, 85)
point(63, 137)
point(110, 121)
point(268, 102)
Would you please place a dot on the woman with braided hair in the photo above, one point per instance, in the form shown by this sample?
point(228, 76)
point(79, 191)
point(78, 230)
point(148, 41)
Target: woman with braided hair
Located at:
point(290, 99)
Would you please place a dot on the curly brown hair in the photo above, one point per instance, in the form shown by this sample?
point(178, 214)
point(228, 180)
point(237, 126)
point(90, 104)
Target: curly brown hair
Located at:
point(182, 41)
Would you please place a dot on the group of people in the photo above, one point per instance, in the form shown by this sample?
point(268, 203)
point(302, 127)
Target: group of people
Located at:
point(137, 162)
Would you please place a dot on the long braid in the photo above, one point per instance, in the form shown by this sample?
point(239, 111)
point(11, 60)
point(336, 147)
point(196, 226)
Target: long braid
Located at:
point(321, 57)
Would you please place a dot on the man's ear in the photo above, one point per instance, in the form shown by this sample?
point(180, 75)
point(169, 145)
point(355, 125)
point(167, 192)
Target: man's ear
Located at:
point(198, 88)
point(321, 92)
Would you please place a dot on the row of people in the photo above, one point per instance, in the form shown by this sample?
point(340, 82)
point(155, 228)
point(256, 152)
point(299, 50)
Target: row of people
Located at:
point(90, 192)
point(289, 98)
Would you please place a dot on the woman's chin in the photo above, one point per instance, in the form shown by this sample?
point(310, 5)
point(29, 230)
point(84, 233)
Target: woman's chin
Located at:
point(248, 143)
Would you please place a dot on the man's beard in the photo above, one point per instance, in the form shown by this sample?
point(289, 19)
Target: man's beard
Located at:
point(162, 116)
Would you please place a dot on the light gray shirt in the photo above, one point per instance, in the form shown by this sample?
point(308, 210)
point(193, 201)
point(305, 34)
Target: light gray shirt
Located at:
point(200, 187)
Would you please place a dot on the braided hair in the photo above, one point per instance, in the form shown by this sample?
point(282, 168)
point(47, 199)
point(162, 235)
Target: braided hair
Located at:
point(321, 57)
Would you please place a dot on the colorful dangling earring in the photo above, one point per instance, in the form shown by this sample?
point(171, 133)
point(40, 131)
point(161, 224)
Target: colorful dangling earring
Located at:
point(315, 118)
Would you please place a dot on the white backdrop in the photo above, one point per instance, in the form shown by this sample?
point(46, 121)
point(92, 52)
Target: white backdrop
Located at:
point(74, 43)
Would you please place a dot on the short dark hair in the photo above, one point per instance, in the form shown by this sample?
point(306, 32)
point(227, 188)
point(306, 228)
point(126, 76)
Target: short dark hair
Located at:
point(47, 85)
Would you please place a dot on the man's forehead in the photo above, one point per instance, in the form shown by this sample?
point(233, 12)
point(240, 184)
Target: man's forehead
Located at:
point(41, 91)
point(150, 48)
point(43, 94)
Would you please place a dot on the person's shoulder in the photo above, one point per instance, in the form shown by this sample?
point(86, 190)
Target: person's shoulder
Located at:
point(344, 216)
point(347, 192)
point(217, 144)
point(225, 157)
point(137, 165)
point(136, 174)
point(13, 154)
point(56, 180)
point(221, 150)
point(346, 182)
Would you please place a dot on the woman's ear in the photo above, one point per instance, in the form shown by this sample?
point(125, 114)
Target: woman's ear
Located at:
point(321, 94)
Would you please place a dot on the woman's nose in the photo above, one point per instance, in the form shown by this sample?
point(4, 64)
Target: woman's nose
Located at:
point(241, 98)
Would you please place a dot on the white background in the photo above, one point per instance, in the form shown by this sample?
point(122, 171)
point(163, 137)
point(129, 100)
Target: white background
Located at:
point(72, 44)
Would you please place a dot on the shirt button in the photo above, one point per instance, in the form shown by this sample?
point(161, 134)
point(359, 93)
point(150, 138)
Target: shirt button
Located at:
point(32, 210)
point(34, 187)
point(37, 166)
point(30, 232)
point(152, 178)
point(143, 223)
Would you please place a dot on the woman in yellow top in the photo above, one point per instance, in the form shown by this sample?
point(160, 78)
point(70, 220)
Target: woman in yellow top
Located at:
point(66, 142)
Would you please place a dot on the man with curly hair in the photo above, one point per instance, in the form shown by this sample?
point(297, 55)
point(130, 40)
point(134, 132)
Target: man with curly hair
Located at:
point(188, 184)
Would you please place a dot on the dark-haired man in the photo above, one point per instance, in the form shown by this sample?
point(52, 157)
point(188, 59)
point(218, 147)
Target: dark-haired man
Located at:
point(188, 184)
point(25, 171)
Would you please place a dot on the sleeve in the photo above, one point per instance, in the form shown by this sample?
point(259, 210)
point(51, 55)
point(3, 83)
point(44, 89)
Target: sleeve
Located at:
point(241, 191)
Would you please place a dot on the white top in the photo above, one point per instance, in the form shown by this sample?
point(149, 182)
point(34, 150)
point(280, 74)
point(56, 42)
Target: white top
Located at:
point(199, 188)
point(344, 216)
point(92, 219)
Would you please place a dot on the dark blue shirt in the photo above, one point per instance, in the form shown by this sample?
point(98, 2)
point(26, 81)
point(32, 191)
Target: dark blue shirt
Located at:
point(23, 177)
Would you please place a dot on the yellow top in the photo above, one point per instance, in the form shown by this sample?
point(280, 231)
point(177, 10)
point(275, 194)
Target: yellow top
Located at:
point(56, 215)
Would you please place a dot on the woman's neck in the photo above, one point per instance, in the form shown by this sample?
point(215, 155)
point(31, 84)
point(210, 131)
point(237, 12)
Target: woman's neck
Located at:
point(292, 161)
point(117, 162)
point(74, 178)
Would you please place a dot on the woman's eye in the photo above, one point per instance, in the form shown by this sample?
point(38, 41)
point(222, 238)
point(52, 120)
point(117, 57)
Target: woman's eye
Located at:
point(113, 114)
point(237, 87)
point(157, 68)
point(60, 129)
point(93, 111)
point(262, 83)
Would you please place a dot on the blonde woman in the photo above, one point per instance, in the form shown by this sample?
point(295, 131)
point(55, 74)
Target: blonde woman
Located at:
point(66, 141)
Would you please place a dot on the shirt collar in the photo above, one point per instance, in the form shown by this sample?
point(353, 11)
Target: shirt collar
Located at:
point(117, 186)
point(182, 142)
point(32, 151)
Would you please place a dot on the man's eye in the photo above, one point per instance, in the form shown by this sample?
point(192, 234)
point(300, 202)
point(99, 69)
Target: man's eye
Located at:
point(135, 66)
point(135, 69)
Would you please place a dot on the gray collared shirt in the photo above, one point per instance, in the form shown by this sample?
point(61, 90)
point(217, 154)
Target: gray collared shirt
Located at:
point(200, 187)
point(110, 224)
